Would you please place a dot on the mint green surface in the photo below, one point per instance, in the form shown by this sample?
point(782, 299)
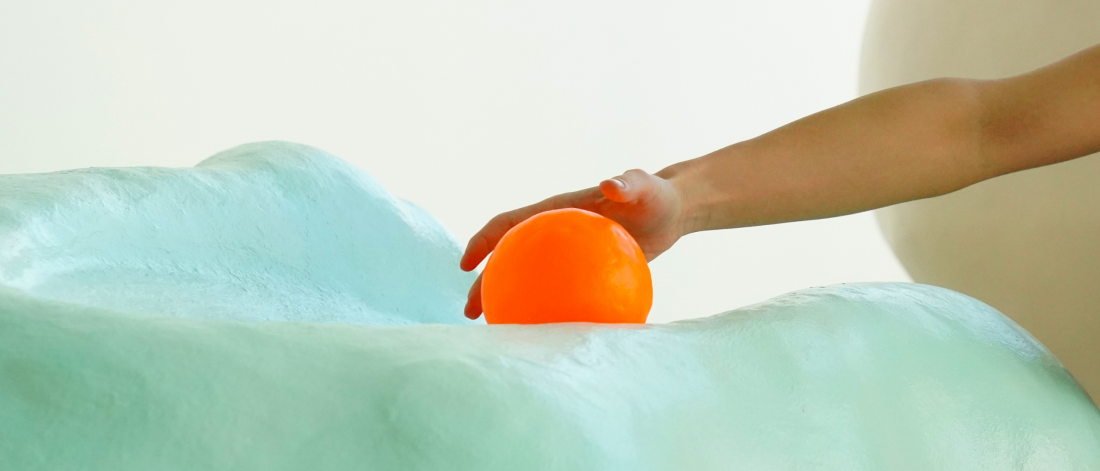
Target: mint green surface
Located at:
point(144, 326)
point(268, 231)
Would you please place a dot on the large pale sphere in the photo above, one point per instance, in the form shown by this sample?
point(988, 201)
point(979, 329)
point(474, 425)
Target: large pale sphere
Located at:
point(1027, 243)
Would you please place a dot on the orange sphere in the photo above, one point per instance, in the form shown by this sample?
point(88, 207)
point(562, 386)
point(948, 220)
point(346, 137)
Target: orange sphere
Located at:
point(566, 265)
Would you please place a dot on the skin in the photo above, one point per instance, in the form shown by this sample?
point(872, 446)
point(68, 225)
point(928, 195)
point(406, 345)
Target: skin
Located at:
point(901, 144)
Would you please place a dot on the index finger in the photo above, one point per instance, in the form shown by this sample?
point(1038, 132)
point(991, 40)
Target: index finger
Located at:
point(485, 240)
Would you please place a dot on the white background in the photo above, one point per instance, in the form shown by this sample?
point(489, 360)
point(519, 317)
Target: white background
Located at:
point(466, 108)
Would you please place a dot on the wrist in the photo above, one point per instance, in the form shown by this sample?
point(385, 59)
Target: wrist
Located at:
point(707, 193)
point(692, 215)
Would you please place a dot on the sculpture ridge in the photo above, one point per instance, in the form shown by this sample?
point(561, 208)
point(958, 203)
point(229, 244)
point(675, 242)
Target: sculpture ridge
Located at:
point(129, 339)
point(264, 231)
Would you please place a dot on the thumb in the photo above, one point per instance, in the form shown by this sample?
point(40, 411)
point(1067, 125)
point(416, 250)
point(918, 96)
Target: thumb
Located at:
point(631, 186)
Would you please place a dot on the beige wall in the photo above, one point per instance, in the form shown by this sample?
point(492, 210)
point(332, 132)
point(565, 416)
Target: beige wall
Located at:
point(1028, 243)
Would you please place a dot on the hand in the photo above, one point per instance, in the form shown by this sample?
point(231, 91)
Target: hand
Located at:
point(647, 206)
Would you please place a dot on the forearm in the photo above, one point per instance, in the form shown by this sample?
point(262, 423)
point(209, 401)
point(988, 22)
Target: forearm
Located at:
point(901, 144)
point(1046, 116)
point(905, 143)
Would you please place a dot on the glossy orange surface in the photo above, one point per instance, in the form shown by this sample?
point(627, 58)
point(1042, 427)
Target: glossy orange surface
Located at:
point(567, 265)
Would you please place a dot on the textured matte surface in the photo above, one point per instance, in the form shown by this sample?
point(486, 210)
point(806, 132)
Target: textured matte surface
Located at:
point(267, 231)
point(116, 352)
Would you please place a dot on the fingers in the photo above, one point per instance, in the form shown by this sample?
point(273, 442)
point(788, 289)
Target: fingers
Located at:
point(476, 250)
point(482, 243)
point(473, 300)
point(486, 239)
point(631, 186)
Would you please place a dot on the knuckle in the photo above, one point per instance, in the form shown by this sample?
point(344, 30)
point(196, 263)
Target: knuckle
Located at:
point(497, 222)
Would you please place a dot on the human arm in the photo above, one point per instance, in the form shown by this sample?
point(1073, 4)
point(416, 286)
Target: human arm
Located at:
point(905, 143)
point(911, 142)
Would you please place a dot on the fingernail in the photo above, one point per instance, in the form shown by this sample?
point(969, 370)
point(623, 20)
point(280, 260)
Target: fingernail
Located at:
point(619, 183)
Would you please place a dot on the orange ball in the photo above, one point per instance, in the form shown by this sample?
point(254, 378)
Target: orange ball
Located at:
point(566, 265)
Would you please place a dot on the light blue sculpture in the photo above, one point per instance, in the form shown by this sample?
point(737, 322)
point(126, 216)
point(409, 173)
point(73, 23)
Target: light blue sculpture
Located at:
point(271, 231)
point(144, 326)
